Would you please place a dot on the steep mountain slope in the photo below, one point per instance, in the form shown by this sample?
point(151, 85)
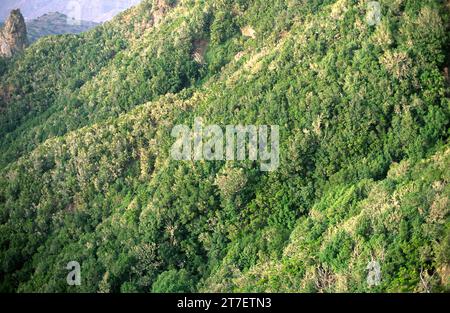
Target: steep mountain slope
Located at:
point(86, 172)
point(55, 23)
point(132, 77)
point(400, 222)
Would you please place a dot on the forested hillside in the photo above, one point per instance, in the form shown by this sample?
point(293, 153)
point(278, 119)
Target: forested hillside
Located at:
point(86, 173)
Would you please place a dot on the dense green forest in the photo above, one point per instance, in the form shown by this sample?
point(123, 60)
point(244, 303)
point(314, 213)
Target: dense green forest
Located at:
point(85, 136)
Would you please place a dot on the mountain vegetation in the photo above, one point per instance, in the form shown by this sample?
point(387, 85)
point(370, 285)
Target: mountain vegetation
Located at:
point(85, 136)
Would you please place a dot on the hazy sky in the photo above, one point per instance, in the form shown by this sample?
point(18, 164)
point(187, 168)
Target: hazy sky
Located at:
point(89, 10)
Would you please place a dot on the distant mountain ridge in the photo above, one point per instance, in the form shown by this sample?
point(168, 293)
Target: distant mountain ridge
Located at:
point(97, 11)
point(56, 23)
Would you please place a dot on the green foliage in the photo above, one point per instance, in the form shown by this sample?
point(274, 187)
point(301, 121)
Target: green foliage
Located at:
point(3, 66)
point(173, 281)
point(391, 222)
point(363, 111)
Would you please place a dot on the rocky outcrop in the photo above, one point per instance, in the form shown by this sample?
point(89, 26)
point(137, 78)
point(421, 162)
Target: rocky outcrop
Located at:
point(248, 31)
point(13, 36)
point(200, 47)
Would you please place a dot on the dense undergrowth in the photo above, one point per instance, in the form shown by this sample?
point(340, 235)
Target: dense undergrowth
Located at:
point(85, 135)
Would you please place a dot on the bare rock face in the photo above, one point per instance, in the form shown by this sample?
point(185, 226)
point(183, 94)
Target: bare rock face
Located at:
point(200, 47)
point(13, 36)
